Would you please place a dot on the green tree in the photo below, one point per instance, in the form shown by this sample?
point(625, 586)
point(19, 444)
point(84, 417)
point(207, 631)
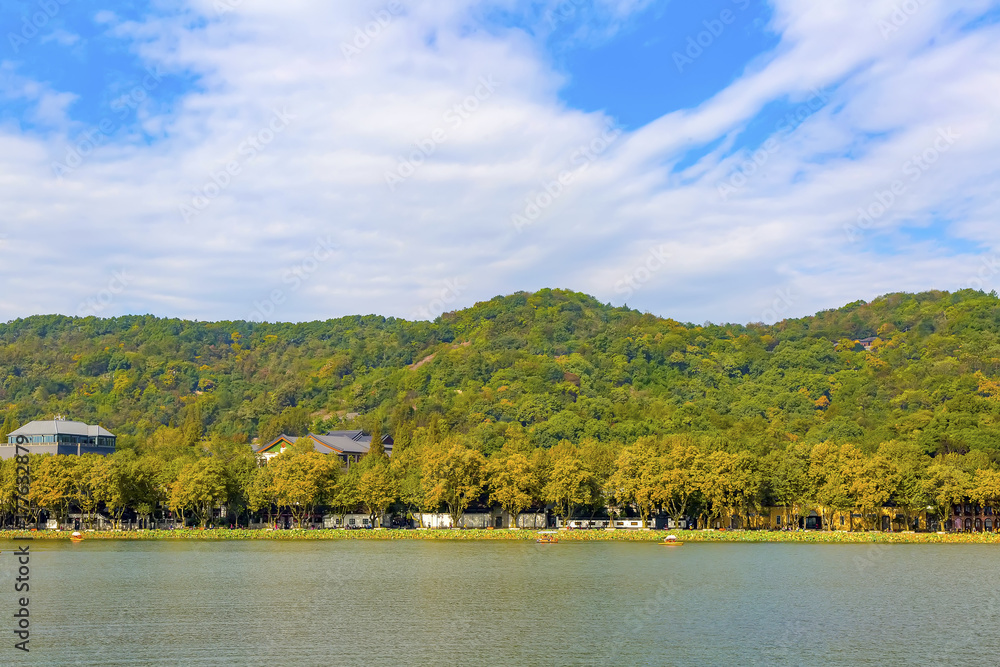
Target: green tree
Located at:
point(829, 485)
point(8, 486)
point(789, 481)
point(568, 483)
point(293, 421)
point(946, 486)
point(261, 493)
point(342, 496)
point(985, 488)
point(679, 481)
point(194, 426)
point(454, 476)
point(600, 458)
point(146, 491)
point(407, 466)
point(513, 482)
point(85, 494)
point(110, 486)
point(376, 486)
point(200, 487)
point(637, 478)
point(52, 485)
point(376, 448)
point(10, 424)
point(730, 484)
point(873, 482)
point(299, 482)
point(911, 465)
point(240, 465)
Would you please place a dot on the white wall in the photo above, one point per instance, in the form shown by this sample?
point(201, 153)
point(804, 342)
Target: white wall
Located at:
point(443, 520)
point(360, 521)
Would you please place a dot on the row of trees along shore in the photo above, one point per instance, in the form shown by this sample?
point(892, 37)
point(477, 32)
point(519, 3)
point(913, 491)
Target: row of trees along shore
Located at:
point(680, 476)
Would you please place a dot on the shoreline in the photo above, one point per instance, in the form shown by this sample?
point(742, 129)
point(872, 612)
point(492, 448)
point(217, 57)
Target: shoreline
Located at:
point(620, 535)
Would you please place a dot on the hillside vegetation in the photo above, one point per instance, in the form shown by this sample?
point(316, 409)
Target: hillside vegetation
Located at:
point(531, 400)
point(559, 364)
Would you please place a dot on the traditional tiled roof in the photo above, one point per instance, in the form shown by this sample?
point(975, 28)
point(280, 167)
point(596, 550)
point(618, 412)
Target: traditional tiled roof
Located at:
point(340, 442)
point(289, 439)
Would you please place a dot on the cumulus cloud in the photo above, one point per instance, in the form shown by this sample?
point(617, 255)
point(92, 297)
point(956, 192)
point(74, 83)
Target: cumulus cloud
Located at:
point(402, 158)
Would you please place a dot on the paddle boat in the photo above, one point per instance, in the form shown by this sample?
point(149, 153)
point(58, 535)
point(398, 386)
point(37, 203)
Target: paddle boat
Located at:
point(670, 541)
point(76, 537)
point(547, 537)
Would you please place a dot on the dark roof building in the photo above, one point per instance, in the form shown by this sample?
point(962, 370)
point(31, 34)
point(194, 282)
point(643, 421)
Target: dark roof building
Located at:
point(868, 342)
point(59, 436)
point(350, 446)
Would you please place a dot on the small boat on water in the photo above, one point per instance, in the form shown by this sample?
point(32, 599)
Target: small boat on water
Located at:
point(76, 537)
point(547, 537)
point(671, 541)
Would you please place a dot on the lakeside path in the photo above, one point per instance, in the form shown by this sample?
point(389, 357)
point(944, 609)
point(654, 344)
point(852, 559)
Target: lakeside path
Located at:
point(809, 537)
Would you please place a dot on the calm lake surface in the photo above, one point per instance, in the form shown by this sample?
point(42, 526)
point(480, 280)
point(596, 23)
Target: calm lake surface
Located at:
point(496, 603)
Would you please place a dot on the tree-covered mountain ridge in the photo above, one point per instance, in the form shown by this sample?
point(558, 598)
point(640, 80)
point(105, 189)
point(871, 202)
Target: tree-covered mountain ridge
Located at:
point(552, 365)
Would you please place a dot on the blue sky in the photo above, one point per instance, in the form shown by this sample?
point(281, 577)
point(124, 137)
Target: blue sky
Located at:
point(668, 57)
point(728, 160)
point(77, 53)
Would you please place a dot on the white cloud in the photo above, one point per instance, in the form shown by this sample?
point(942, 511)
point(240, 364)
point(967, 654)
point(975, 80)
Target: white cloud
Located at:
point(61, 37)
point(324, 174)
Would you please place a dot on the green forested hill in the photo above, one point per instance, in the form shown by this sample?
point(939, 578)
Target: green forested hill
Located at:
point(559, 364)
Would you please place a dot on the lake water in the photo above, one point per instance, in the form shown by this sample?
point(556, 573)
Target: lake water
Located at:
point(497, 603)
